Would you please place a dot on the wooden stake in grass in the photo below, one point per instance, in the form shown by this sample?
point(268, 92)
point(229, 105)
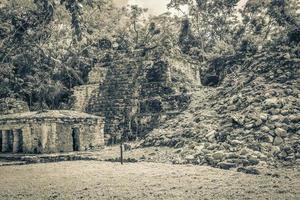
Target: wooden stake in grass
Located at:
point(121, 151)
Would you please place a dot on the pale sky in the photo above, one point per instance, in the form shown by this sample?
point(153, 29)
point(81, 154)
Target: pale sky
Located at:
point(156, 7)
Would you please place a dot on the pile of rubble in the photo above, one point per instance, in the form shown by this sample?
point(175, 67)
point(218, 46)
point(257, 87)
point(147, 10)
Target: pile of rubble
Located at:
point(252, 118)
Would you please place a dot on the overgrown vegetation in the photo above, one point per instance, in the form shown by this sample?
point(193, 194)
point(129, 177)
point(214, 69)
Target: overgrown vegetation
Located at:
point(47, 46)
point(226, 40)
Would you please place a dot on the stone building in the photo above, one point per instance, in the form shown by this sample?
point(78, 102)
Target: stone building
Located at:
point(50, 132)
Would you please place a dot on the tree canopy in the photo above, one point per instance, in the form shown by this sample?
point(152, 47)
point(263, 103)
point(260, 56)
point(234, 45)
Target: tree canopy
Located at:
point(48, 46)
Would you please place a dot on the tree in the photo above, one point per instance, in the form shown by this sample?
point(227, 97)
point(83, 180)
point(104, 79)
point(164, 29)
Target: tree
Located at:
point(39, 50)
point(225, 40)
point(210, 23)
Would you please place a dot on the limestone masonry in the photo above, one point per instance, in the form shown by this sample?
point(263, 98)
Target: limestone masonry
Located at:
point(50, 131)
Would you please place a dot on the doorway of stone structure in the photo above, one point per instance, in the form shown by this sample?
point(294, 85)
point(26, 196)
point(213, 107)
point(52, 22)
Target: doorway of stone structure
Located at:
point(10, 141)
point(0, 141)
point(76, 139)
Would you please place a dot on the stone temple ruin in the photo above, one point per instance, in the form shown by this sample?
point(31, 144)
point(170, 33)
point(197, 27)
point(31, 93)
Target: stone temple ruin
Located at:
point(133, 99)
point(50, 131)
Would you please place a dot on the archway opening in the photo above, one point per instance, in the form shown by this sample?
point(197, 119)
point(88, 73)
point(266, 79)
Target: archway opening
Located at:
point(10, 141)
point(76, 139)
point(1, 141)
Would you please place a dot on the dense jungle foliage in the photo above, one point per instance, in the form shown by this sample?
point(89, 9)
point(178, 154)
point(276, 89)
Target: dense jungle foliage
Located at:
point(48, 46)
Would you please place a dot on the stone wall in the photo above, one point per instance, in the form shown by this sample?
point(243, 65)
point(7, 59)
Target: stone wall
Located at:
point(82, 95)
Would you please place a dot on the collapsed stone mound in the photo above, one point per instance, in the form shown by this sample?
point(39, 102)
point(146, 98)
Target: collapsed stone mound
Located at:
point(252, 118)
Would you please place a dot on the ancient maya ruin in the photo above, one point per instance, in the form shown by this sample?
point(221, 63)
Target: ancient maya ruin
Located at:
point(50, 132)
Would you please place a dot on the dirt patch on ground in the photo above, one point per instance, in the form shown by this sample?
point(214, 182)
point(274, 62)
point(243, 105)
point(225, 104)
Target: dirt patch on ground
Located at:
point(105, 180)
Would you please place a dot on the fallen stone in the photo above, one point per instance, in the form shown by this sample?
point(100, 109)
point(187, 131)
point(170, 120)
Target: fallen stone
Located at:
point(213, 146)
point(277, 141)
point(225, 165)
point(211, 136)
point(249, 170)
point(280, 132)
point(264, 116)
point(235, 142)
point(244, 151)
point(265, 129)
point(294, 118)
point(199, 148)
point(219, 155)
point(253, 161)
point(273, 102)
point(232, 155)
point(259, 122)
point(190, 157)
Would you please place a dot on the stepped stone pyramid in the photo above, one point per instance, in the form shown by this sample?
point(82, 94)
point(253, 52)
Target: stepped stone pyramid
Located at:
point(133, 98)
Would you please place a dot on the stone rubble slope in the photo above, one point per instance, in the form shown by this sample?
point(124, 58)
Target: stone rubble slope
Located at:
point(251, 119)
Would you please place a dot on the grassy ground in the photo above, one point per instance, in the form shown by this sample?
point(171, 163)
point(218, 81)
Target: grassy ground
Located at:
point(107, 180)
